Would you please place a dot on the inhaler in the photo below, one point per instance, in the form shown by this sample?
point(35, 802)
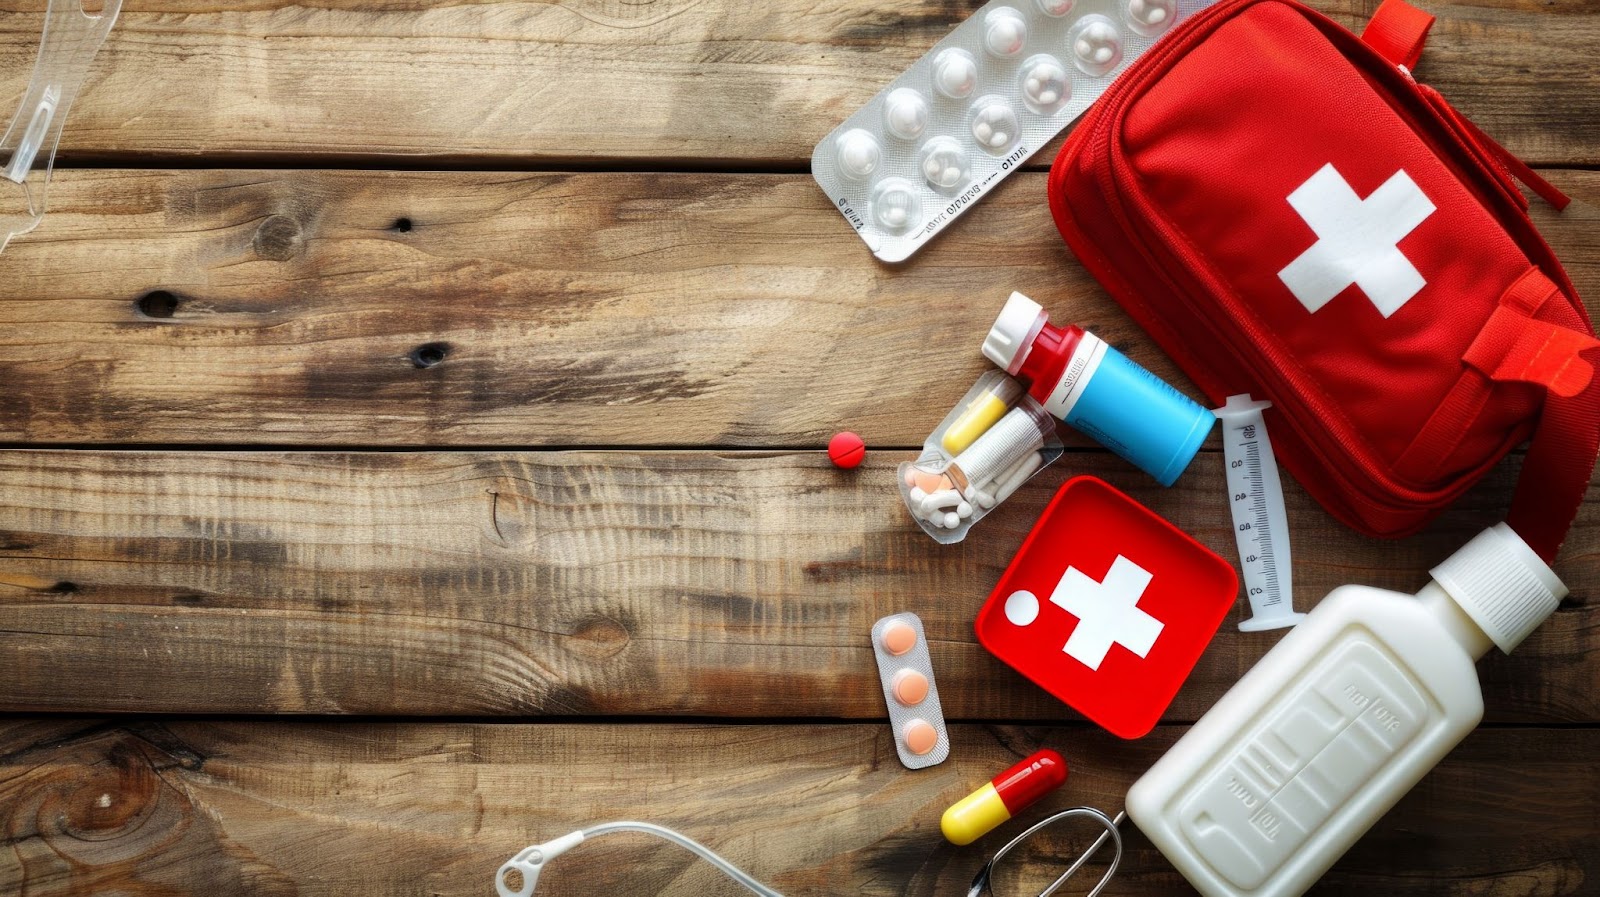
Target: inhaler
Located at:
point(1337, 722)
point(1095, 389)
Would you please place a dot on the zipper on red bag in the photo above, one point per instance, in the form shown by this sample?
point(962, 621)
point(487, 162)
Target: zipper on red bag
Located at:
point(1357, 468)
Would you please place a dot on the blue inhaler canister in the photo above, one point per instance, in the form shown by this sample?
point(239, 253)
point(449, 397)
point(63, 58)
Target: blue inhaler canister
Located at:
point(1083, 381)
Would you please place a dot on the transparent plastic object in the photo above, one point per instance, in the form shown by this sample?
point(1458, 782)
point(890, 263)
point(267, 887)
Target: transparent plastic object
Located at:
point(994, 440)
point(998, 88)
point(72, 37)
point(1260, 523)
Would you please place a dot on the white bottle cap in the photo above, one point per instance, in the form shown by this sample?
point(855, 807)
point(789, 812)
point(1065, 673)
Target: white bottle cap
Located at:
point(1012, 334)
point(1500, 582)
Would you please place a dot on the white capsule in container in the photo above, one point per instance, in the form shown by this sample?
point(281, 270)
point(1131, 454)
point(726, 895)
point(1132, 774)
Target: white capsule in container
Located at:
point(999, 86)
point(994, 440)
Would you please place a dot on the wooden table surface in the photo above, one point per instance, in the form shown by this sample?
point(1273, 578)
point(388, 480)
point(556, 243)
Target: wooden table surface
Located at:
point(412, 416)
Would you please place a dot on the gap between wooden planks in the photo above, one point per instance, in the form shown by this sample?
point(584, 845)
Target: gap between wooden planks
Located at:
point(460, 309)
point(707, 84)
point(598, 583)
point(282, 808)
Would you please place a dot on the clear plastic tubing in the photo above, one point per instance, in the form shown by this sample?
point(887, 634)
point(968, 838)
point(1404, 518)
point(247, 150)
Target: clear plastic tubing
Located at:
point(1080, 379)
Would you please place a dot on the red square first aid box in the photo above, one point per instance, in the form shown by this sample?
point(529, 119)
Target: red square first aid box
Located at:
point(1107, 606)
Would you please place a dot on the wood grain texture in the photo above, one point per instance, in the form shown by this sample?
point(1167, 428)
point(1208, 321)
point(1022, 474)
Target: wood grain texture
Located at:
point(664, 583)
point(675, 81)
point(354, 308)
point(363, 810)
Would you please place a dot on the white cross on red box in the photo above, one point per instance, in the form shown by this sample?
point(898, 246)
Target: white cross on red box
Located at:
point(1108, 611)
point(1132, 603)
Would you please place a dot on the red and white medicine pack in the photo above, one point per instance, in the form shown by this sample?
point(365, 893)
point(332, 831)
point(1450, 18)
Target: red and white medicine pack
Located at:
point(1107, 606)
point(1290, 214)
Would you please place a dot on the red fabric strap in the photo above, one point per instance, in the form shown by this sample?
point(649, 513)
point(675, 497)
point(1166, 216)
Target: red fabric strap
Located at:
point(1566, 441)
point(1556, 472)
point(1397, 31)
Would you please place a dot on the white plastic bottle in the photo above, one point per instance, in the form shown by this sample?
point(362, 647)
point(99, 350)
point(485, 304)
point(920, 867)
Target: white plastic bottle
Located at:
point(1337, 722)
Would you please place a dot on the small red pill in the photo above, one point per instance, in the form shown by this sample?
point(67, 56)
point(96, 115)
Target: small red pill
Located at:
point(846, 450)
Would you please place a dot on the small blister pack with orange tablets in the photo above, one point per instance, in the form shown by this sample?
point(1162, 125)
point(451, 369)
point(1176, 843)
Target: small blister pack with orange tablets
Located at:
point(994, 440)
point(907, 675)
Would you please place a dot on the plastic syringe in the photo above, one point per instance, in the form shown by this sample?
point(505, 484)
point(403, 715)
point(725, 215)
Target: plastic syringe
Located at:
point(1260, 523)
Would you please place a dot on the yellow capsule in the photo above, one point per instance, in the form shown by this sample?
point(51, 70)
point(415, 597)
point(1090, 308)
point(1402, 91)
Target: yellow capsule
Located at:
point(1007, 794)
point(974, 816)
point(979, 415)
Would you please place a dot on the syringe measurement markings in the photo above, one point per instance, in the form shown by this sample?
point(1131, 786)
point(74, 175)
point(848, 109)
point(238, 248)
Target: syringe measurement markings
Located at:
point(1266, 569)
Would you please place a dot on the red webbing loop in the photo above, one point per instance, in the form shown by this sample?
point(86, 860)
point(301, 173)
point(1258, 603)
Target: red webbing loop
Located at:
point(1397, 31)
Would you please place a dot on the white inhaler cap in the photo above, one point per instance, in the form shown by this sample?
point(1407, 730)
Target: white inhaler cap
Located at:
point(1506, 588)
point(1013, 332)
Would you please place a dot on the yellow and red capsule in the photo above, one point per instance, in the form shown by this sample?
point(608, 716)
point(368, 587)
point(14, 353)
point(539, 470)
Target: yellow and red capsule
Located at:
point(1006, 795)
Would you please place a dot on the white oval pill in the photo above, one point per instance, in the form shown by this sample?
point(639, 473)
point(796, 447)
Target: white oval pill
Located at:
point(955, 73)
point(1005, 32)
point(951, 521)
point(858, 154)
point(905, 113)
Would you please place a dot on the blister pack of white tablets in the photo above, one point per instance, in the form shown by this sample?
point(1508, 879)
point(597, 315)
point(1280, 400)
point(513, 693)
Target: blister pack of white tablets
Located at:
point(973, 108)
point(906, 672)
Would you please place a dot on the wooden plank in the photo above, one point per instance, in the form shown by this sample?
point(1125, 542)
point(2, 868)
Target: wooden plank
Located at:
point(523, 309)
point(381, 809)
point(664, 583)
point(700, 83)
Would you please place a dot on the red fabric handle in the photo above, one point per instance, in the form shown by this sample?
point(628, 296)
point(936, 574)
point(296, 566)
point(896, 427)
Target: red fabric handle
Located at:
point(1398, 30)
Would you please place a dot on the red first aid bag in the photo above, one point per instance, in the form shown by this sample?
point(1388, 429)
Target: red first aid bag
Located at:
point(1290, 214)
